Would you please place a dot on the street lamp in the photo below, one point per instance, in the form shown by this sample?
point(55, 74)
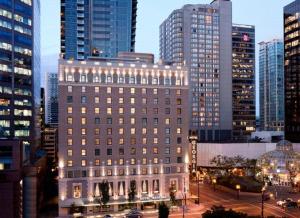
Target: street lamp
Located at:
point(238, 188)
point(214, 181)
point(262, 201)
point(198, 184)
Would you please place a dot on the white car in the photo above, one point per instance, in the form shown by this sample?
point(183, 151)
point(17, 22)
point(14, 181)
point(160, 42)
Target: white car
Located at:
point(280, 203)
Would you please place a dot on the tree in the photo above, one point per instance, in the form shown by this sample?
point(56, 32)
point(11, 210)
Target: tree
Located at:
point(220, 212)
point(132, 191)
point(104, 188)
point(173, 191)
point(163, 211)
point(76, 209)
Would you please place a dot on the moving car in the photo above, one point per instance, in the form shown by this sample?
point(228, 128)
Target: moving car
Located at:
point(291, 204)
point(134, 213)
point(282, 202)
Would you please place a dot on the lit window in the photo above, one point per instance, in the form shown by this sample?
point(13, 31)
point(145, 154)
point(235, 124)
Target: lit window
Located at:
point(178, 92)
point(70, 153)
point(97, 131)
point(155, 160)
point(97, 141)
point(83, 152)
point(178, 130)
point(83, 141)
point(70, 120)
point(144, 161)
point(132, 90)
point(154, 91)
point(70, 131)
point(121, 141)
point(109, 141)
point(144, 100)
point(144, 131)
point(83, 131)
point(83, 110)
point(121, 90)
point(132, 161)
point(132, 100)
point(109, 162)
point(108, 90)
point(132, 110)
point(155, 150)
point(144, 141)
point(121, 161)
point(83, 163)
point(69, 88)
point(121, 120)
point(132, 121)
point(167, 121)
point(70, 110)
point(97, 100)
point(83, 89)
point(179, 150)
point(121, 131)
point(109, 172)
point(108, 110)
point(83, 120)
point(132, 131)
point(109, 131)
point(121, 110)
point(69, 163)
point(97, 162)
point(144, 150)
point(97, 89)
point(155, 140)
point(108, 100)
point(155, 131)
point(144, 91)
point(70, 142)
point(97, 110)
point(121, 100)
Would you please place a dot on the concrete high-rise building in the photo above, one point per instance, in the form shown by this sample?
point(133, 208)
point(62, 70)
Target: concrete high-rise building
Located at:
point(51, 98)
point(200, 37)
point(292, 71)
point(126, 122)
point(271, 85)
point(19, 69)
point(243, 81)
point(97, 28)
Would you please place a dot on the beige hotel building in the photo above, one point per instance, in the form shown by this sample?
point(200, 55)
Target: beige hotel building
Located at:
point(121, 120)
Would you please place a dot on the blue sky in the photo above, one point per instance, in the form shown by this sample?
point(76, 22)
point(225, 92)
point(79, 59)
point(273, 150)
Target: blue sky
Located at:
point(266, 15)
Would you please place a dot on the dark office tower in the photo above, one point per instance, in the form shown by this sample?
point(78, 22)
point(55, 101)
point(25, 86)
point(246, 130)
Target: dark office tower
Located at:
point(97, 27)
point(200, 37)
point(243, 81)
point(51, 98)
point(292, 71)
point(19, 70)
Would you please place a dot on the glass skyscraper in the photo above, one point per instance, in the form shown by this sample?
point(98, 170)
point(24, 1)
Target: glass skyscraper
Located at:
point(97, 27)
point(271, 85)
point(292, 71)
point(19, 69)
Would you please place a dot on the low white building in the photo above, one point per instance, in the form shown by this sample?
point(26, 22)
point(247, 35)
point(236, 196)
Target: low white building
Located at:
point(207, 151)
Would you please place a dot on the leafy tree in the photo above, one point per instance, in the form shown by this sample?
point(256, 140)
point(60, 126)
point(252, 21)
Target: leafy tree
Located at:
point(76, 209)
point(173, 191)
point(132, 191)
point(163, 211)
point(104, 188)
point(220, 212)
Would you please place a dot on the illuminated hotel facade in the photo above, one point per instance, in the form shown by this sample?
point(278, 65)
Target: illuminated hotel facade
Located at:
point(121, 120)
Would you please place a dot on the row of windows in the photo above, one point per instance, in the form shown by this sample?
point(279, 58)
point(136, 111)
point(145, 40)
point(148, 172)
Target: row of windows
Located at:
point(121, 90)
point(121, 131)
point(133, 141)
point(109, 121)
point(132, 161)
point(121, 100)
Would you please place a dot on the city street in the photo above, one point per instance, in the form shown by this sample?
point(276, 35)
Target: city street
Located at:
point(247, 203)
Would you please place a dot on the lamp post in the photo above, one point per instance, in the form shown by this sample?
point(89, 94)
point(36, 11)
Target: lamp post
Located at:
point(198, 184)
point(214, 181)
point(262, 201)
point(238, 188)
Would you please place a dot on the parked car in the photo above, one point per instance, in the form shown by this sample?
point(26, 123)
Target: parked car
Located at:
point(107, 216)
point(282, 202)
point(291, 204)
point(134, 213)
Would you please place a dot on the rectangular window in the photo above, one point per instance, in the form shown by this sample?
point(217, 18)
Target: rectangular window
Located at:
point(70, 120)
point(83, 110)
point(83, 152)
point(154, 91)
point(83, 99)
point(132, 90)
point(97, 100)
point(83, 121)
point(108, 90)
point(70, 153)
point(69, 99)
point(121, 120)
point(70, 110)
point(83, 163)
point(108, 100)
point(121, 90)
point(109, 111)
point(97, 110)
point(97, 89)
point(109, 152)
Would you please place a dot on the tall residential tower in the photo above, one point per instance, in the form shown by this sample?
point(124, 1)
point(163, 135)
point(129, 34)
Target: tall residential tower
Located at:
point(200, 37)
point(97, 27)
point(271, 85)
point(243, 81)
point(292, 71)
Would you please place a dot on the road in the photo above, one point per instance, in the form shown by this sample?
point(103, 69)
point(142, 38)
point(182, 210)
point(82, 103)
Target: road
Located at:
point(250, 204)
